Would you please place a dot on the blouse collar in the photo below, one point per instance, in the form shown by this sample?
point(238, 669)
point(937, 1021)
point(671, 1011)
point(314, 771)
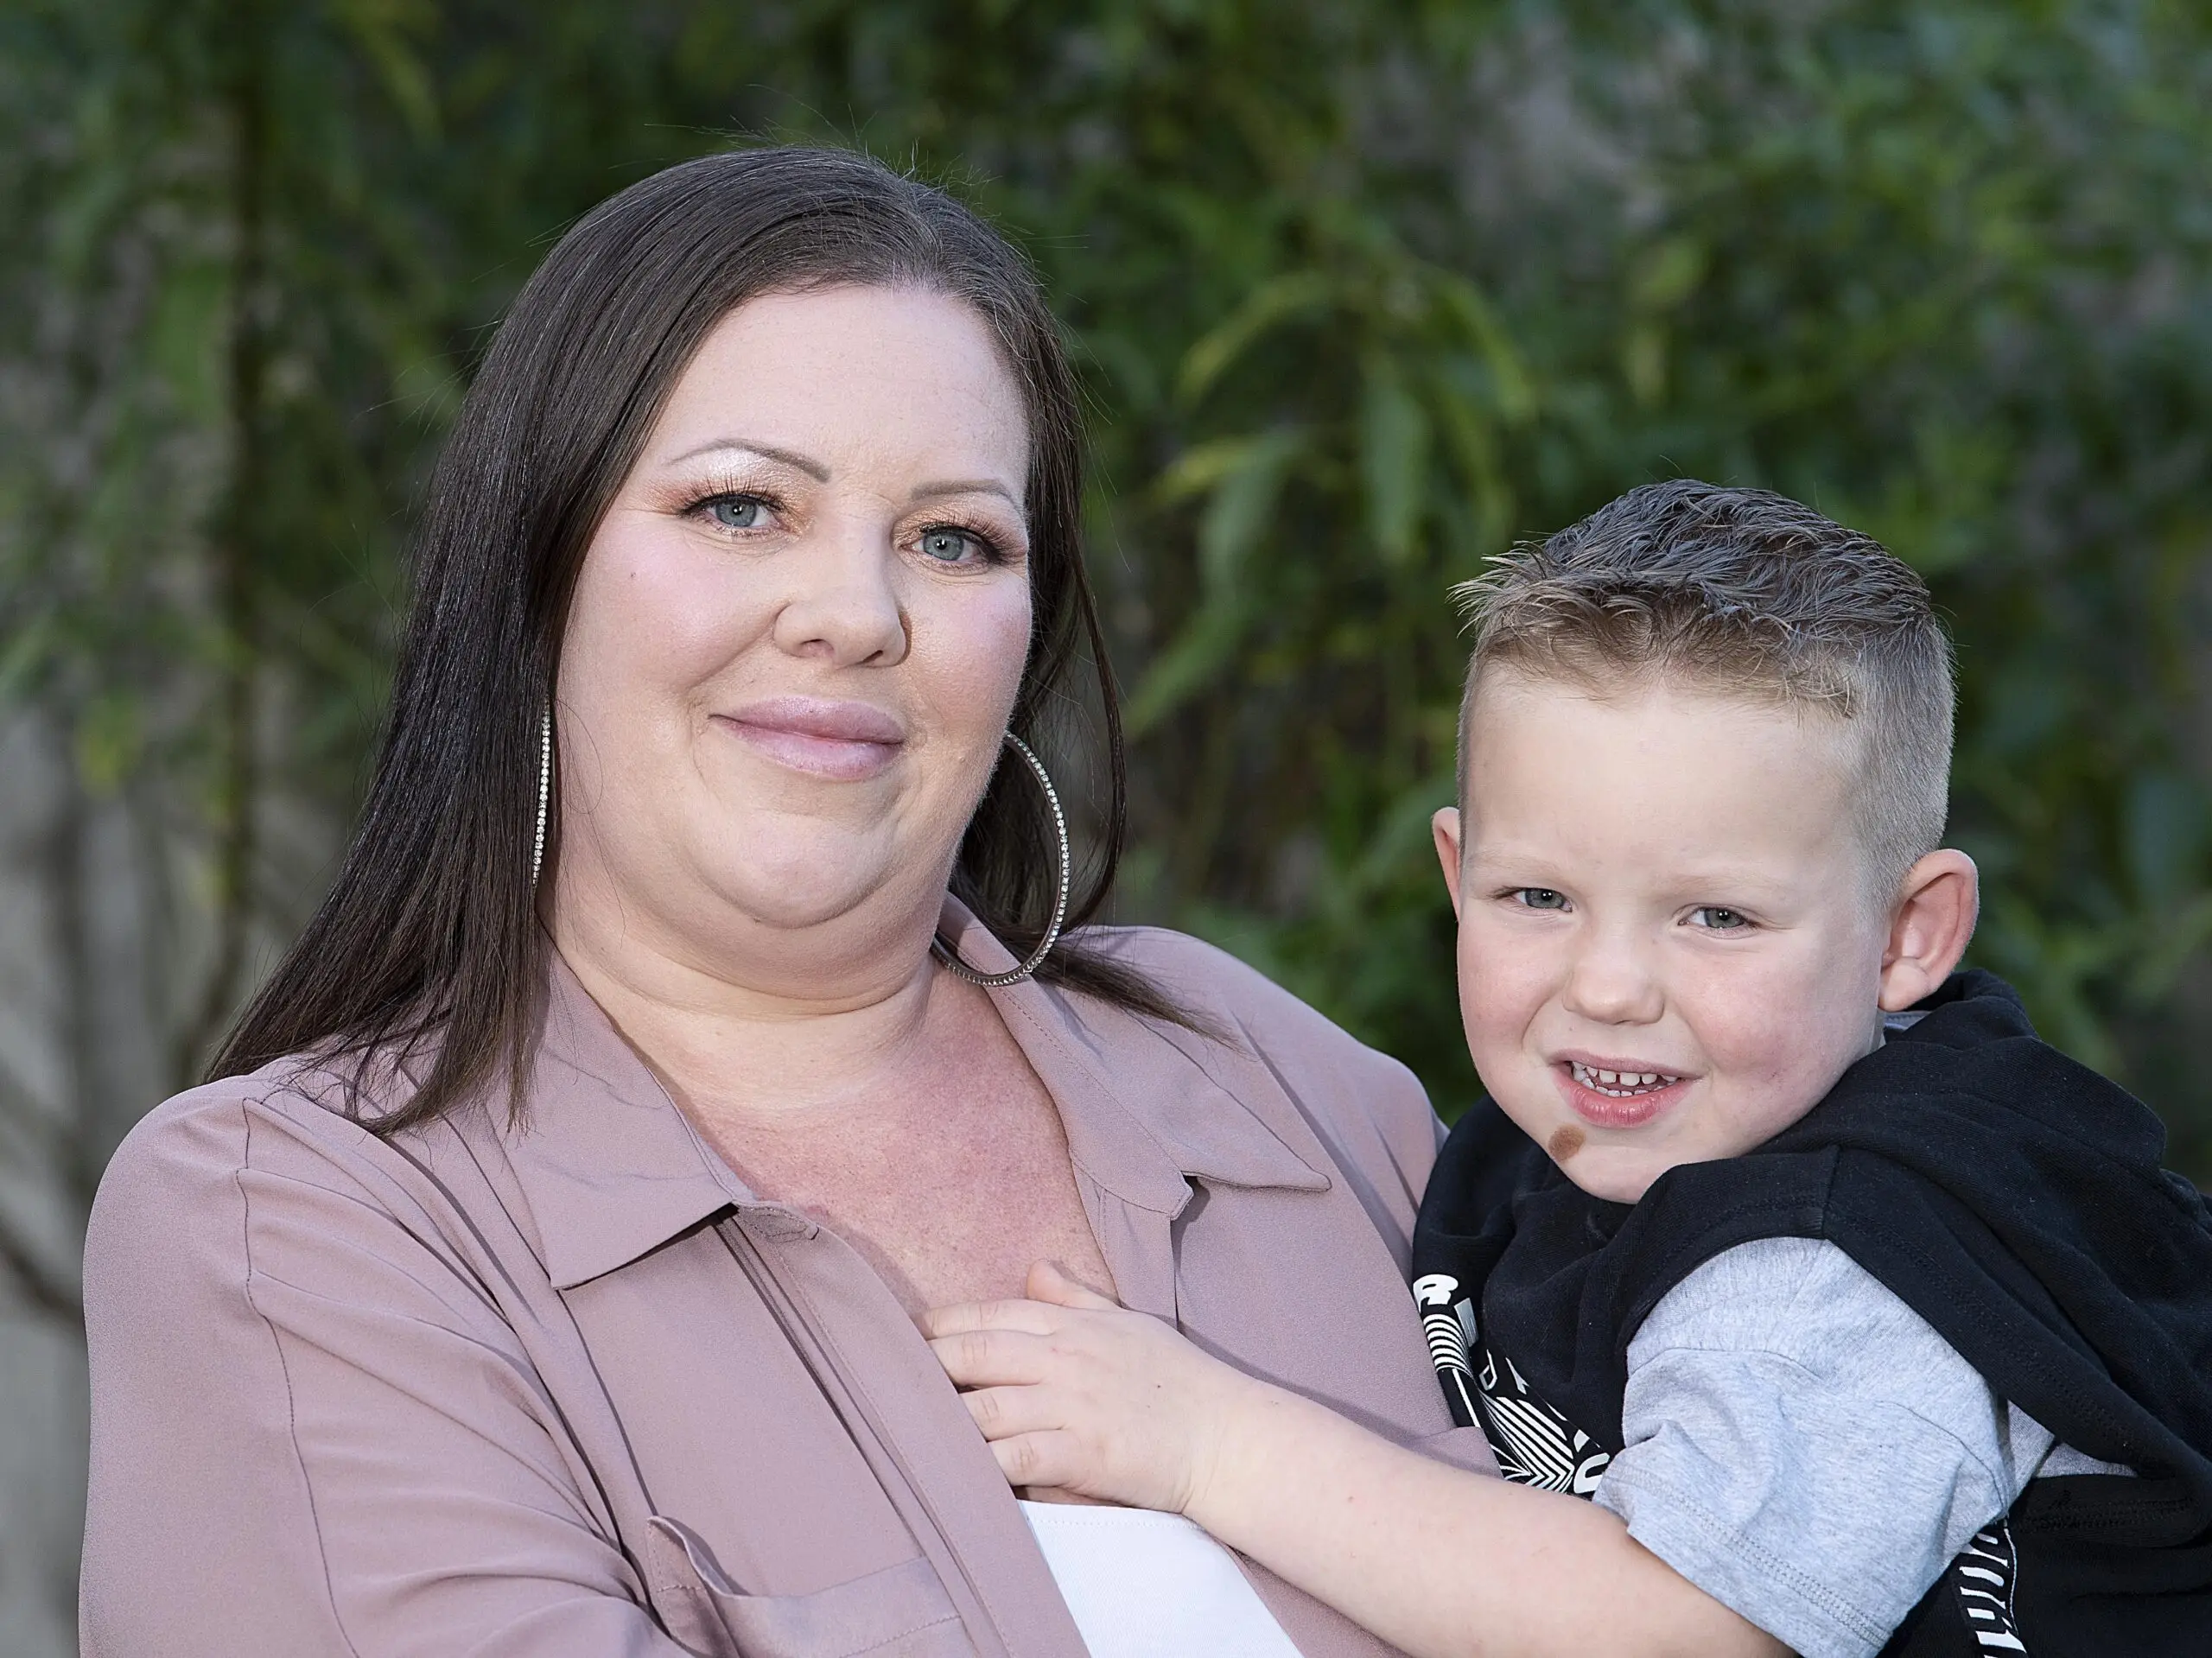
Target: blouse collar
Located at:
point(612, 1169)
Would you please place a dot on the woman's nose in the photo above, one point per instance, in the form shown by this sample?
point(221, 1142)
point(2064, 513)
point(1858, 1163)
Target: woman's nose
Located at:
point(1611, 983)
point(843, 605)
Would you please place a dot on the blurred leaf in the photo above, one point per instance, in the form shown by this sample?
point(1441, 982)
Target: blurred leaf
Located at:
point(1643, 361)
point(1469, 440)
point(2165, 825)
point(1196, 659)
point(188, 336)
point(109, 739)
point(26, 647)
point(1511, 386)
point(1295, 294)
point(387, 30)
point(1394, 459)
point(1669, 273)
point(1244, 502)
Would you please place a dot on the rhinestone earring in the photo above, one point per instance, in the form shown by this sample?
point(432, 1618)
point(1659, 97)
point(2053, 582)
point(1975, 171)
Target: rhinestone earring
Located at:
point(944, 952)
point(544, 790)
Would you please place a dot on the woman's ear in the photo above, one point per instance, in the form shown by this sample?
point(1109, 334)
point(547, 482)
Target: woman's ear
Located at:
point(1929, 928)
point(1445, 827)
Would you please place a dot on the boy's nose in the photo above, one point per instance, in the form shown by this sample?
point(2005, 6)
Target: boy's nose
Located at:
point(1611, 984)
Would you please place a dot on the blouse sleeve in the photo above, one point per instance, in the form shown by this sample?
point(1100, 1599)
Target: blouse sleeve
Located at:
point(313, 1432)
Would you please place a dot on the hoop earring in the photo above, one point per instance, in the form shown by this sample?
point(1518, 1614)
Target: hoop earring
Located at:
point(544, 791)
point(944, 952)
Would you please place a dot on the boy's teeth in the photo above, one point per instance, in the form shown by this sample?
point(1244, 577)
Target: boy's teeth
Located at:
point(1617, 1081)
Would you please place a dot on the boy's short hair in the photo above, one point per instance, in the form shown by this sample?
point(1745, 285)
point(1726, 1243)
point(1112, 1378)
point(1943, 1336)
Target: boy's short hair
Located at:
point(1748, 593)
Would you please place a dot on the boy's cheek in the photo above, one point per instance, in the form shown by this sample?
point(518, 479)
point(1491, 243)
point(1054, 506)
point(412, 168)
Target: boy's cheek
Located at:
point(1499, 999)
point(1775, 1035)
point(1482, 993)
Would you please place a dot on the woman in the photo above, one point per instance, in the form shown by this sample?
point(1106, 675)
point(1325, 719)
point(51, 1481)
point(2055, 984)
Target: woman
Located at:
point(695, 1008)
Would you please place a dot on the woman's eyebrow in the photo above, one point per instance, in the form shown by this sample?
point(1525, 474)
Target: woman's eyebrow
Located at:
point(820, 474)
point(967, 486)
point(813, 469)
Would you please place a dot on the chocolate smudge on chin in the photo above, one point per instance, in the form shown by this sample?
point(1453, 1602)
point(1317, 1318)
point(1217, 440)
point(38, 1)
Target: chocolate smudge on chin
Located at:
point(1566, 1140)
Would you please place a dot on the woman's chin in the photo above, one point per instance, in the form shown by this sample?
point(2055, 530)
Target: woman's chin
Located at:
point(815, 883)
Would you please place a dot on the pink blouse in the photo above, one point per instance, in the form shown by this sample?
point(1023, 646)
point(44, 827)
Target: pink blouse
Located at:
point(568, 1390)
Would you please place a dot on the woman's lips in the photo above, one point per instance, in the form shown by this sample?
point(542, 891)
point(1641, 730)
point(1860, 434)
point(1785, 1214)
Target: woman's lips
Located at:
point(845, 741)
point(1613, 1108)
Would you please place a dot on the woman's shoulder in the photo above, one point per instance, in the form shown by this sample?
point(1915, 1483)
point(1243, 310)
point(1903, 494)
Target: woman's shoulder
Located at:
point(205, 1133)
point(1234, 996)
point(194, 1186)
point(1338, 1083)
point(214, 1130)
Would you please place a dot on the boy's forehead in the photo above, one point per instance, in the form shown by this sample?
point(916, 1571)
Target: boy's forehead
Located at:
point(1506, 694)
point(1507, 701)
point(1660, 768)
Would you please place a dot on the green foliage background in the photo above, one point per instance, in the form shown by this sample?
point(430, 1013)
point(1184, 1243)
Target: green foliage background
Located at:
point(1362, 292)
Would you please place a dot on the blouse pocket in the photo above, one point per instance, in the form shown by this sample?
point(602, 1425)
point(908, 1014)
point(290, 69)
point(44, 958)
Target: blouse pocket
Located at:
point(901, 1611)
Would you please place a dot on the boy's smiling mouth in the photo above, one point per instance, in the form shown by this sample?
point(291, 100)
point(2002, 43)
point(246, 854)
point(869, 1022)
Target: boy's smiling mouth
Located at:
point(1619, 1084)
point(1616, 1096)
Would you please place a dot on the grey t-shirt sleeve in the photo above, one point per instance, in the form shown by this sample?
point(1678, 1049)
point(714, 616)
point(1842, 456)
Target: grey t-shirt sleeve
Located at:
point(1805, 1448)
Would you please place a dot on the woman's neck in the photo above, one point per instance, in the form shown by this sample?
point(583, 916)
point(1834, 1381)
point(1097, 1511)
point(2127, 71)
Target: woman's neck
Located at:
point(789, 1025)
point(849, 1078)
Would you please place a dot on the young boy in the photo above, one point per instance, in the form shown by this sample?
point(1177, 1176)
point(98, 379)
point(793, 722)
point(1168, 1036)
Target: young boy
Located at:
point(1866, 1321)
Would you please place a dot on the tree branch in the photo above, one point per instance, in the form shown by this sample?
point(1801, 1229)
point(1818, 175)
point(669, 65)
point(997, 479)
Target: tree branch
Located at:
point(237, 543)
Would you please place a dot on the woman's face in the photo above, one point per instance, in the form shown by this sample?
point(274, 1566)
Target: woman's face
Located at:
point(797, 635)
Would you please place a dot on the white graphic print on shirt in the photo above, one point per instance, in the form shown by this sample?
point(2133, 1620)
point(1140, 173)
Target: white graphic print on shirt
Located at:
point(1534, 1444)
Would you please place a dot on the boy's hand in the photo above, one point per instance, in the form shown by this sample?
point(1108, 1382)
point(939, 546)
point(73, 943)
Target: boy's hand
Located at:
point(1077, 1392)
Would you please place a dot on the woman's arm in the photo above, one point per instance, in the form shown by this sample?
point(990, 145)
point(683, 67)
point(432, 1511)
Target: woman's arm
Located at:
point(1075, 1393)
point(312, 1431)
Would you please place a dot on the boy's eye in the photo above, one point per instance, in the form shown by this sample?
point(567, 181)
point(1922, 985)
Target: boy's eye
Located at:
point(1541, 898)
point(737, 511)
point(1717, 919)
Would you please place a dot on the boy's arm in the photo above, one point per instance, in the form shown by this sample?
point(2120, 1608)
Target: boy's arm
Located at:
point(1075, 1393)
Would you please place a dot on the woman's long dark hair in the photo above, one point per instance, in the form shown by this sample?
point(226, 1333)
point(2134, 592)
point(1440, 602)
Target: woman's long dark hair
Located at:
point(428, 941)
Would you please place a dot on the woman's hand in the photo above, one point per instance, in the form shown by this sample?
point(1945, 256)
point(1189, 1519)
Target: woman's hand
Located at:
point(1075, 1393)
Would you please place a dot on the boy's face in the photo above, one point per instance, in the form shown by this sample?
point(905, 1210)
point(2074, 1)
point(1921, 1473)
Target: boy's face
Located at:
point(1668, 952)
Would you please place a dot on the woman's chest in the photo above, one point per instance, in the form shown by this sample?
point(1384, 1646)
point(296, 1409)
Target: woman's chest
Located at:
point(755, 1387)
point(949, 1192)
point(785, 1464)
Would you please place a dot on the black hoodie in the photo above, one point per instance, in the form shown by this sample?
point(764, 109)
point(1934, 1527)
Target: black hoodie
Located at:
point(2010, 1197)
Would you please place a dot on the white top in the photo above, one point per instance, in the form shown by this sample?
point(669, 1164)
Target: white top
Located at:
point(1143, 1584)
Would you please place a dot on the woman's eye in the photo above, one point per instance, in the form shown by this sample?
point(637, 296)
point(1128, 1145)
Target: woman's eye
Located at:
point(1717, 919)
point(737, 511)
point(1541, 898)
point(951, 546)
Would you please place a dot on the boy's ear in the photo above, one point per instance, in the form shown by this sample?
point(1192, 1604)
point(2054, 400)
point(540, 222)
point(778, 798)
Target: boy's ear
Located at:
point(1445, 827)
point(1929, 928)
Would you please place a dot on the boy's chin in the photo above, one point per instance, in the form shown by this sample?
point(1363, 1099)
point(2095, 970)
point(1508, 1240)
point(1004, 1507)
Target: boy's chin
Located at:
point(1614, 1174)
point(1608, 1165)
